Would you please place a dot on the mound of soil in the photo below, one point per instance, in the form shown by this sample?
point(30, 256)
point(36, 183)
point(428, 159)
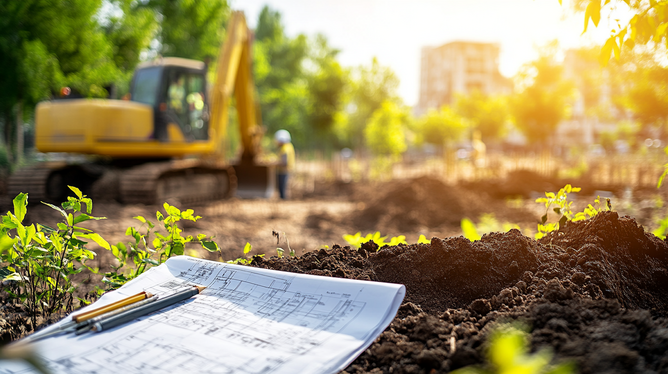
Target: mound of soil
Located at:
point(517, 183)
point(595, 292)
point(425, 203)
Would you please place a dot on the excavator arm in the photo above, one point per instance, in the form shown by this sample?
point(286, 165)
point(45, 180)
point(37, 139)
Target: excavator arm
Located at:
point(234, 75)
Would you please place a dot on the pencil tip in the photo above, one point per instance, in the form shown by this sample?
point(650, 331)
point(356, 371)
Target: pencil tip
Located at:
point(200, 288)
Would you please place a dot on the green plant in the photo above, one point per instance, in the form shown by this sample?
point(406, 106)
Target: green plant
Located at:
point(488, 223)
point(665, 171)
point(423, 240)
point(357, 240)
point(38, 261)
point(279, 250)
point(508, 354)
point(145, 252)
point(660, 231)
point(243, 260)
point(563, 209)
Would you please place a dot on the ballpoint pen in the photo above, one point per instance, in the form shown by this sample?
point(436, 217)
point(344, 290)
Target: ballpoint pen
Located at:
point(77, 320)
point(162, 302)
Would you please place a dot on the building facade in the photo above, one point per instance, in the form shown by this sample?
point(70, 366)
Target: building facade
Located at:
point(459, 68)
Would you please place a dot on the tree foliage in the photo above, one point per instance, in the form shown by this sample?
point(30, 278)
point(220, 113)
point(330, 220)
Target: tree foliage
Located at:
point(369, 87)
point(191, 29)
point(487, 114)
point(384, 132)
point(649, 23)
point(542, 103)
point(441, 127)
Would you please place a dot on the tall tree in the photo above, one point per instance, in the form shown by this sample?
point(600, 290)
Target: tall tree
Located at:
point(542, 102)
point(441, 127)
point(45, 44)
point(191, 29)
point(384, 132)
point(326, 81)
point(280, 77)
point(487, 114)
point(370, 87)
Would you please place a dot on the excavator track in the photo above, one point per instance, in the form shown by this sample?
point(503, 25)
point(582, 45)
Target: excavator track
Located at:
point(32, 180)
point(183, 180)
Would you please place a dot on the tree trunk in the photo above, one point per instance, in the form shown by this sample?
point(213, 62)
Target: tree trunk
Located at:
point(8, 136)
point(19, 132)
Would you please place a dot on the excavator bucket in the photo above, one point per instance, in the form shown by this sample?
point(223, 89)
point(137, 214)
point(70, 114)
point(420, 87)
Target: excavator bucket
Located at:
point(255, 181)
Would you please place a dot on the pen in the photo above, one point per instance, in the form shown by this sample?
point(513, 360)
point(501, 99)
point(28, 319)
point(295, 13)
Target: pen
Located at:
point(110, 307)
point(85, 326)
point(72, 325)
point(119, 319)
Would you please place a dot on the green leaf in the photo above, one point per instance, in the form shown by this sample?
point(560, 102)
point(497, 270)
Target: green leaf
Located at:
point(21, 206)
point(76, 191)
point(247, 248)
point(12, 277)
point(70, 219)
point(592, 12)
point(543, 219)
point(469, 230)
point(6, 242)
point(89, 204)
point(212, 246)
point(56, 208)
point(562, 221)
point(178, 249)
point(159, 216)
point(96, 238)
point(140, 219)
point(150, 261)
point(423, 240)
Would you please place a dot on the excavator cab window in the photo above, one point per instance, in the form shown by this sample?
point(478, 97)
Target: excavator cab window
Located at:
point(185, 103)
point(145, 85)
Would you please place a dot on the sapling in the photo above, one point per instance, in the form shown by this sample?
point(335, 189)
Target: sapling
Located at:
point(38, 261)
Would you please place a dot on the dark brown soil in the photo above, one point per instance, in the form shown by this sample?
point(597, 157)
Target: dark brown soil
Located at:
point(596, 292)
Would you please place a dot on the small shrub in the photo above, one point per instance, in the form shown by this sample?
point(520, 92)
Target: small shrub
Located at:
point(151, 248)
point(357, 240)
point(563, 209)
point(38, 261)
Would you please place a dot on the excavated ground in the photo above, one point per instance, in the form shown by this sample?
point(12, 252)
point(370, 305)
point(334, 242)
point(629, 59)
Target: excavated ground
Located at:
point(595, 292)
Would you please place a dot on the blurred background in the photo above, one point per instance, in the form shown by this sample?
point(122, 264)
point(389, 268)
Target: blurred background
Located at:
point(371, 91)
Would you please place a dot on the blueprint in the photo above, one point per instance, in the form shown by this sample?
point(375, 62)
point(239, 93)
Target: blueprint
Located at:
point(247, 320)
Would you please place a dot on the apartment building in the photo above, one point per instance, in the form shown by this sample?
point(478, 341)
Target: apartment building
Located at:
point(459, 67)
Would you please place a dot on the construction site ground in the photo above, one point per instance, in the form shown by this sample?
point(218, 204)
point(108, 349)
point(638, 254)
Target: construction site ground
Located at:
point(596, 292)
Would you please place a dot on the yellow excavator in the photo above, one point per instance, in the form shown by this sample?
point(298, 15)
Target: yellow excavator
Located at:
point(165, 141)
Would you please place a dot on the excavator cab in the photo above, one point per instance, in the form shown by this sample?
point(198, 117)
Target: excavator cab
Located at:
point(178, 96)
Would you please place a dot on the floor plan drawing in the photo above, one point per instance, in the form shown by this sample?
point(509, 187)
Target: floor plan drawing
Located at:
point(247, 320)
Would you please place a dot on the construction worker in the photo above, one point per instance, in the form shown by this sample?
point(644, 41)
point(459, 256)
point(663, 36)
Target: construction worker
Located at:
point(286, 160)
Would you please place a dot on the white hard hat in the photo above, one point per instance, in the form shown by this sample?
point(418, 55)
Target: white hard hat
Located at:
point(282, 136)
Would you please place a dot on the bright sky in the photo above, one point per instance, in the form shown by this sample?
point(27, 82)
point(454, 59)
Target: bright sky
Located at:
point(395, 30)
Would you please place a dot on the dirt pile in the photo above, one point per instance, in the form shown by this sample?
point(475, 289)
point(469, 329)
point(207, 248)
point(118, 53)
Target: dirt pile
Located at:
point(595, 292)
point(420, 203)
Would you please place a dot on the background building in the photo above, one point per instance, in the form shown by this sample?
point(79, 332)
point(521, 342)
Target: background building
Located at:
point(459, 67)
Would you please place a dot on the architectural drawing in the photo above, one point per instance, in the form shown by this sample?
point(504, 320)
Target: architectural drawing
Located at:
point(246, 321)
